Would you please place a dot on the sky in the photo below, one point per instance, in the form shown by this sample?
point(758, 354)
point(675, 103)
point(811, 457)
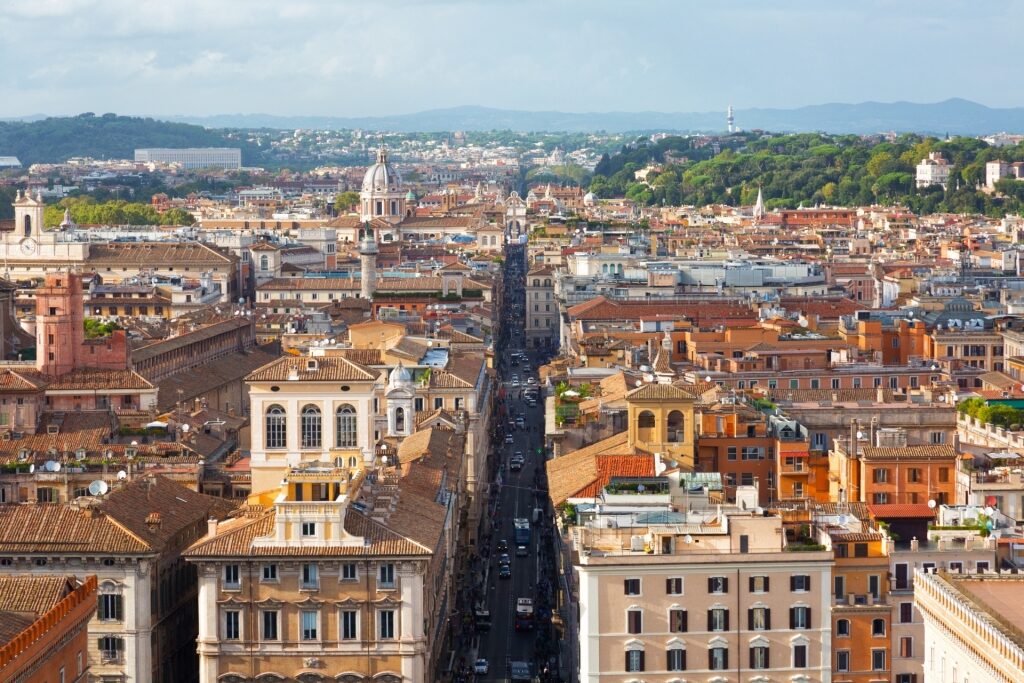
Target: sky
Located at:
point(385, 57)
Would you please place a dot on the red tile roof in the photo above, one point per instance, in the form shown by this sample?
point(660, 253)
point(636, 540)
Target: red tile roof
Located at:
point(609, 466)
point(901, 511)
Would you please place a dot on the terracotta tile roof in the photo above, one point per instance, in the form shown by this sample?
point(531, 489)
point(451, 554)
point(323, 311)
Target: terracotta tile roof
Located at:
point(177, 507)
point(35, 594)
point(425, 442)
point(361, 356)
point(410, 348)
point(215, 373)
point(854, 537)
point(901, 511)
point(328, 369)
point(206, 332)
point(602, 308)
point(609, 466)
point(57, 529)
point(659, 392)
point(818, 395)
point(157, 254)
point(234, 539)
point(21, 380)
point(574, 471)
point(909, 453)
point(87, 379)
point(823, 308)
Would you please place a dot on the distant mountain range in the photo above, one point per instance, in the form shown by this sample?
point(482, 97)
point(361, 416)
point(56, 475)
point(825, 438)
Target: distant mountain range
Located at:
point(953, 116)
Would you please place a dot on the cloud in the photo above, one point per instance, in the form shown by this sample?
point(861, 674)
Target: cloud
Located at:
point(349, 57)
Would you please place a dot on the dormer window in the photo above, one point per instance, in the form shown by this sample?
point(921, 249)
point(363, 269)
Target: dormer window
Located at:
point(311, 365)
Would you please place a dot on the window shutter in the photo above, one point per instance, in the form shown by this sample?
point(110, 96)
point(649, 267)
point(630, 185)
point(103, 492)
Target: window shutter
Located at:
point(726, 620)
point(807, 582)
point(685, 621)
point(792, 583)
point(792, 617)
point(684, 660)
point(726, 659)
point(766, 584)
point(767, 658)
point(711, 620)
point(711, 658)
point(725, 585)
point(642, 660)
point(626, 668)
point(767, 619)
point(750, 581)
point(808, 617)
point(753, 657)
point(625, 587)
point(750, 619)
point(711, 585)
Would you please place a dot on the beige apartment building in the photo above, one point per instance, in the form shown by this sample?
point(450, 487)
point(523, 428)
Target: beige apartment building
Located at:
point(709, 596)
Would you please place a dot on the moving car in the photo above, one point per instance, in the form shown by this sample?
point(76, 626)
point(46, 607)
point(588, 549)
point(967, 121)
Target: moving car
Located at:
point(504, 560)
point(481, 666)
point(509, 439)
point(522, 551)
point(504, 572)
point(503, 546)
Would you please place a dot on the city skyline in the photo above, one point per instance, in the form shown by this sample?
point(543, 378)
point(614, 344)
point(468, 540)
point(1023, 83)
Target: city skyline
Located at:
point(344, 59)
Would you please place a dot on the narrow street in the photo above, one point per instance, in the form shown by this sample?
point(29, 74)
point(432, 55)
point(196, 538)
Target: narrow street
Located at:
point(519, 491)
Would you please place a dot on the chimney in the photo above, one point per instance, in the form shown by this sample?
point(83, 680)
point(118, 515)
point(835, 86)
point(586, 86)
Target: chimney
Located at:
point(153, 521)
point(880, 395)
point(211, 526)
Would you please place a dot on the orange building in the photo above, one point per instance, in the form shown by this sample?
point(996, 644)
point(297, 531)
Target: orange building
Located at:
point(801, 473)
point(735, 442)
point(44, 628)
point(897, 340)
point(861, 615)
point(893, 474)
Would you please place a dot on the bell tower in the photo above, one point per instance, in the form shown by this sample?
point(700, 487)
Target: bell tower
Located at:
point(28, 216)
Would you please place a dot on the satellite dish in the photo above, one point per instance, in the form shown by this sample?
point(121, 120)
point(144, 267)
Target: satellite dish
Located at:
point(185, 428)
point(98, 487)
point(860, 435)
point(931, 504)
point(122, 475)
point(687, 539)
point(31, 468)
point(708, 378)
point(989, 510)
point(51, 466)
point(639, 383)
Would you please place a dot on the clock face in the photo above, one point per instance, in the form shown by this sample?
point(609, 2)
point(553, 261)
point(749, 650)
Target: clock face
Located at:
point(28, 245)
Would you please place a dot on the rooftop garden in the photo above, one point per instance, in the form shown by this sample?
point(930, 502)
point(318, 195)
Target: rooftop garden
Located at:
point(645, 487)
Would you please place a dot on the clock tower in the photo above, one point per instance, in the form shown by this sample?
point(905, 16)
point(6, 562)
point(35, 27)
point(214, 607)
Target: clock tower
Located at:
point(28, 221)
point(28, 243)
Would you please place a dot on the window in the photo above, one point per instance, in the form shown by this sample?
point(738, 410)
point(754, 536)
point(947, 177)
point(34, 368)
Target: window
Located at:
point(875, 586)
point(878, 627)
point(277, 428)
point(880, 475)
point(269, 624)
point(759, 657)
point(231, 577)
point(800, 617)
point(906, 612)
point(345, 428)
point(937, 439)
point(438, 402)
point(634, 660)
point(674, 586)
point(631, 586)
point(386, 624)
point(634, 621)
point(270, 572)
point(718, 584)
point(111, 649)
point(794, 384)
point(60, 675)
point(676, 424)
point(839, 587)
point(111, 608)
point(910, 678)
point(718, 659)
point(799, 656)
point(943, 475)
point(675, 659)
point(878, 660)
point(309, 624)
point(800, 582)
point(843, 628)
point(46, 494)
point(759, 619)
point(677, 621)
point(860, 549)
point(310, 576)
point(349, 572)
point(759, 584)
point(349, 629)
point(386, 576)
point(914, 475)
point(906, 646)
point(842, 660)
point(232, 626)
point(981, 567)
point(718, 619)
point(308, 529)
point(731, 453)
point(645, 420)
point(311, 427)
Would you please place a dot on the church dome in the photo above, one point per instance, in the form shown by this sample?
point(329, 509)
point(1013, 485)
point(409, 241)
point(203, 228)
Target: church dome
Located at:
point(410, 196)
point(589, 199)
point(382, 176)
point(399, 376)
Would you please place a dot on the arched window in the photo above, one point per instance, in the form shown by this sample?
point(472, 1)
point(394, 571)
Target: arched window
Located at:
point(28, 225)
point(547, 282)
point(645, 420)
point(311, 427)
point(536, 282)
point(843, 628)
point(345, 427)
point(878, 627)
point(277, 427)
point(676, 427)
point(399, 419)
point(264, 262)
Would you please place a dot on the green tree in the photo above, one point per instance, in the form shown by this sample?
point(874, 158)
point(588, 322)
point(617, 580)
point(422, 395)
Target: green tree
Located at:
point(346, 201)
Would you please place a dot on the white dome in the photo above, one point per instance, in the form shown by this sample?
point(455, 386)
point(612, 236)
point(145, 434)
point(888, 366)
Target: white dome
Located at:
point(589, 199)
point(399, 376)
point(382, 177)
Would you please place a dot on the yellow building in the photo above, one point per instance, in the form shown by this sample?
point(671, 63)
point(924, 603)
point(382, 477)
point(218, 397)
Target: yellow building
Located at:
point(661, 420)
